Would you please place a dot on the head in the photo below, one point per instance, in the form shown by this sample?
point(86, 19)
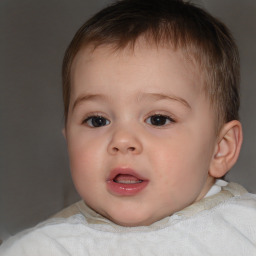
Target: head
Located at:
point(151, 99)
point(202, 38)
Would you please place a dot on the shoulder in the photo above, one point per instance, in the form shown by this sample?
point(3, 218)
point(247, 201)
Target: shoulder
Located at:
point(240, 208)
point(241, 203)
point(47, 238)
point(233, 203)
point(233, 218)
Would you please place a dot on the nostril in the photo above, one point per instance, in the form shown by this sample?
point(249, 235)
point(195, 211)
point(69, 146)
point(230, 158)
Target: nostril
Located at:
point(115, 149)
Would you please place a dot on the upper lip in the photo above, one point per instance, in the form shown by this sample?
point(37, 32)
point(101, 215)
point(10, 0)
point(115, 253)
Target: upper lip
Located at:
point(124, 170)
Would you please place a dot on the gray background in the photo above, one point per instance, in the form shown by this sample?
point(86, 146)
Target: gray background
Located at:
point(34, 174)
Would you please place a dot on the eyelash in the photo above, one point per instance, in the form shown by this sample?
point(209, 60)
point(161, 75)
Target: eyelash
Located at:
point(164, 118)
point(91, 120)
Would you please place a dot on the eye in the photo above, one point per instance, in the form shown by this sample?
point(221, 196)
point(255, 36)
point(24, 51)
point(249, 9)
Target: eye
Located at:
point(159, 120)
point(96, 121)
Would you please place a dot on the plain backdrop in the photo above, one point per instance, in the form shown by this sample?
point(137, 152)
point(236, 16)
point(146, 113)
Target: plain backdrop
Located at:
point(34, 173)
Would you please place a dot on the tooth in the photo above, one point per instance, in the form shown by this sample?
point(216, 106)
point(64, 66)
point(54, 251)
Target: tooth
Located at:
point(128, 181)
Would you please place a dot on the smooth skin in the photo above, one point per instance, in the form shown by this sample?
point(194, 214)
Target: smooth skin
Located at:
point(144, 109)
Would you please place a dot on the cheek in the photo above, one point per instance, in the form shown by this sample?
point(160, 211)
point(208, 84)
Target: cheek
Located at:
point(84, 166)
point(181, 157)
point(84, 156)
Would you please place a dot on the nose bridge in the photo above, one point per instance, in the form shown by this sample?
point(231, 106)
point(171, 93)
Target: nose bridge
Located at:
point(124, 140)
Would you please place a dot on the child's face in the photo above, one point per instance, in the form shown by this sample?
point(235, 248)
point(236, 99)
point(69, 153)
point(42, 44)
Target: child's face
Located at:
point(140, 133)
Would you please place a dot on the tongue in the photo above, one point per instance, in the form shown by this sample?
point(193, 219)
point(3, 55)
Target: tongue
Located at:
point(126, 179)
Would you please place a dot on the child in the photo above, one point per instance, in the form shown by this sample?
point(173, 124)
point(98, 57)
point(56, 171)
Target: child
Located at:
point(151, 105)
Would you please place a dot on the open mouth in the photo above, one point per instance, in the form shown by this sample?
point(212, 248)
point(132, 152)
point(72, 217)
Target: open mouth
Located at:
point(125, 182)
point(126, 179)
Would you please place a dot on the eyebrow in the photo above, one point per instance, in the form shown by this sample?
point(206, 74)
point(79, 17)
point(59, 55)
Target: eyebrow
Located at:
point(87, 97)
point(155, 96)
point(160, 96)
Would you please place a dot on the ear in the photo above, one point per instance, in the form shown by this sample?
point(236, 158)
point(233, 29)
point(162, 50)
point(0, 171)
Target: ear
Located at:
point(227, 149)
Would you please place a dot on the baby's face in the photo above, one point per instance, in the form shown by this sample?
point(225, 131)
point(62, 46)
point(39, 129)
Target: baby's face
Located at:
point(140, 133)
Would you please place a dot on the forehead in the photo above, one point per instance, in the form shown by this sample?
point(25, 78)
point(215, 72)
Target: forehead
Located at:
point(144, 61)
point(127, 74)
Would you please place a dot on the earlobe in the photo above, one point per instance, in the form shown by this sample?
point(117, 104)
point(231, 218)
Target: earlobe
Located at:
point(227, 149)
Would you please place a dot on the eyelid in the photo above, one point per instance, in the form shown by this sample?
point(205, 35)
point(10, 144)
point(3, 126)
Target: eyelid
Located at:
point(164, 114)
point(169, 120)
point(94, 114)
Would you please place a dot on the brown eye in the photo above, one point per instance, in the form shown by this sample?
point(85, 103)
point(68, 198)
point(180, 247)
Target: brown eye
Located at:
point(159, 120)
point(96, 121)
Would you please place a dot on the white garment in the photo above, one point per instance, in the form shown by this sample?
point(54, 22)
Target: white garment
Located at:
point(216, 188)
point(221, 224)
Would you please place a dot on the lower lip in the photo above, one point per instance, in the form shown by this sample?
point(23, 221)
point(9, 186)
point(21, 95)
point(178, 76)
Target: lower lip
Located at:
point(126, 189)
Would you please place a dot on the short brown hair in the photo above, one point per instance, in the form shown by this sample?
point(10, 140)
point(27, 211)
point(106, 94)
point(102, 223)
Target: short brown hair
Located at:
point(177, 23)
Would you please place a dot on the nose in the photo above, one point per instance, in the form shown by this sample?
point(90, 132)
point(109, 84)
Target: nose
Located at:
point(124, 142)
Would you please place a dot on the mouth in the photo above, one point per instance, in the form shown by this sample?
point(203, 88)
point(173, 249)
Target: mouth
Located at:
point(126, 179)
point(125, 182)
